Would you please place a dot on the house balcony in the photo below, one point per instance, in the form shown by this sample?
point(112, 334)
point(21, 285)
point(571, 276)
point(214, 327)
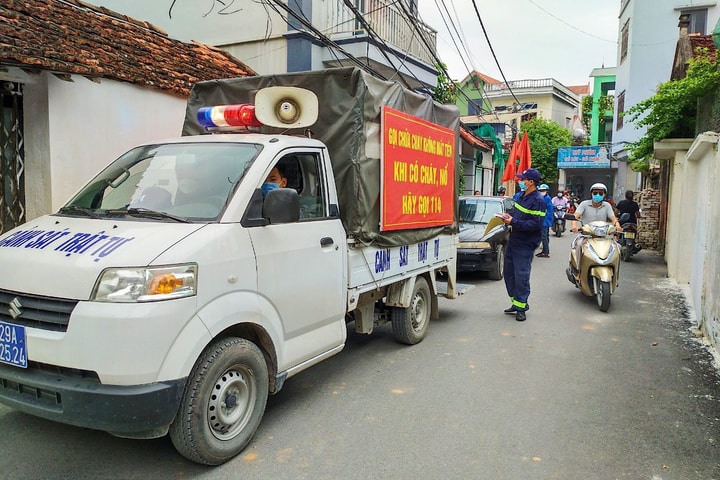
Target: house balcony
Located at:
point(408, 52)
point(531, 87)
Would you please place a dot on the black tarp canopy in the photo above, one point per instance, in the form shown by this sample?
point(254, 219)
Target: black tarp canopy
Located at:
point(350, 103)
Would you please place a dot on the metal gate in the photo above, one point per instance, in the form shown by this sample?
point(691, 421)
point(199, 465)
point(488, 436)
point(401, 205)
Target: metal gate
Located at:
point(12, 157)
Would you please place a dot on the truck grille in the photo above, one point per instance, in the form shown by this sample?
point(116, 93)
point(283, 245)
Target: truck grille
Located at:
point(29, 385)
point(46, 313)
point(17, 390)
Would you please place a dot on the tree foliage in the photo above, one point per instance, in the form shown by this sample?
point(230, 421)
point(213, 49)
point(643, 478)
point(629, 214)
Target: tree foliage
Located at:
point(545, 138)
point(445, 91)
point(605, 103)
point(672, 111)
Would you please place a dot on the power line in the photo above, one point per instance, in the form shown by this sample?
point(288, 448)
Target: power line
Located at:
point(571, 25)
point(471, 57)
point(374, 37)
point(463, 41)
point(299, 8)
point(493, 51)
point(452, 37)
point(413, 20)
point(318, 35)
point(481, 92)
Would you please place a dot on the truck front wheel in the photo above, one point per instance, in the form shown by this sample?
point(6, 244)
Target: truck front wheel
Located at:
point(410, 324)
point(223, 402)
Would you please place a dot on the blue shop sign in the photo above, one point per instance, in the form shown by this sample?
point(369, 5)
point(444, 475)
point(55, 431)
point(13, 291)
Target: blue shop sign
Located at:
point(583, 157)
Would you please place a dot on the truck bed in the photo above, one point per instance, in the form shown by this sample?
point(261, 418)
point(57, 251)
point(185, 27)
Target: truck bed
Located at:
point(371, 267)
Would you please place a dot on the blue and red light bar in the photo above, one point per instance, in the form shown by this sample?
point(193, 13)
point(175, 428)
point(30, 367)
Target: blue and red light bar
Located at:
point(241, 115)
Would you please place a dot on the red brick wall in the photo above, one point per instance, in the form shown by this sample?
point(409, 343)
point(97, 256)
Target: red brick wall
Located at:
point(649, 224)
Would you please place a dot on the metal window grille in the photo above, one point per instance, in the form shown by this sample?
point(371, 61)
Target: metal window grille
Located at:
point(12, 157)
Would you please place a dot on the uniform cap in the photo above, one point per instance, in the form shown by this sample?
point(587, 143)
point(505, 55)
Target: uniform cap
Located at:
point(530, 174)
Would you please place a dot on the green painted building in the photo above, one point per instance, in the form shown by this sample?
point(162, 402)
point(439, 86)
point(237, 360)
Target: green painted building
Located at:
point(603, 92)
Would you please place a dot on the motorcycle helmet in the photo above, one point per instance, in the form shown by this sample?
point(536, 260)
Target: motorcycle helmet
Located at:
point(599, 186)
point(501, 189)
point(544, 186)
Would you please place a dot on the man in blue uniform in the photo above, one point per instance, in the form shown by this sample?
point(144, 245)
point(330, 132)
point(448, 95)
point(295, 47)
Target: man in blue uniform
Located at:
point(526, 219)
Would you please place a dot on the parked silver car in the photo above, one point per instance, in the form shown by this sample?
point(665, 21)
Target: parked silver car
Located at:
point(482, 236)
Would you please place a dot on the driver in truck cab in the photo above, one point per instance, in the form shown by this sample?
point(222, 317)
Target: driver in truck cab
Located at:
point(275, 179)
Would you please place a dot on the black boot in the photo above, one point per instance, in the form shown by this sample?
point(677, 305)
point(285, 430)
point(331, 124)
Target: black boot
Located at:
point(520, 316)
point(511, 310)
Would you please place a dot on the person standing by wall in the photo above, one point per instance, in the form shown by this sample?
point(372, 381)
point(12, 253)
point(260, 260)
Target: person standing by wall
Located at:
point(526, 219)
point(547, 223)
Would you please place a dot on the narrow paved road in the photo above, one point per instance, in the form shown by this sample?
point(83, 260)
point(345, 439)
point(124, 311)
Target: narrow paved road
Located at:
point(572, 393)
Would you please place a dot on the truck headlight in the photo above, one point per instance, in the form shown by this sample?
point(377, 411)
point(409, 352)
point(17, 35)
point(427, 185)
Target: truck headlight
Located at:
point(146, 284)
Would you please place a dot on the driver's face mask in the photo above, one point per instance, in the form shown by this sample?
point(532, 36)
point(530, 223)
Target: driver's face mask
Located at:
point(267, 187)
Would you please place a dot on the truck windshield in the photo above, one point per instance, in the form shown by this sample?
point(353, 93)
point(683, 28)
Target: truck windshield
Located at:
point(170, 182)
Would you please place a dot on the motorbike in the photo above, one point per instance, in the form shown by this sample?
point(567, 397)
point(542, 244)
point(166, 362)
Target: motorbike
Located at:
point(559, 220)
point(595, 262)
point(627, 239)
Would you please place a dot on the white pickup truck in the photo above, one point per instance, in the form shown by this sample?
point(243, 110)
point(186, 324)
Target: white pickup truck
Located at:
point(178, 289)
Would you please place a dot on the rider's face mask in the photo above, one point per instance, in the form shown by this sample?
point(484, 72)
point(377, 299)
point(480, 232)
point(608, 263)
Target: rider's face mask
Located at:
point(598, 197)
point(560, 195)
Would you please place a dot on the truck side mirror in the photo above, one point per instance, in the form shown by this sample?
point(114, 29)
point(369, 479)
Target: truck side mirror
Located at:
point(282, 205)
point(253, 213)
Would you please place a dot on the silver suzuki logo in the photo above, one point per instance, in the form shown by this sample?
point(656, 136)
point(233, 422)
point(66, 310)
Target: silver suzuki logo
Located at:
point(15, 309)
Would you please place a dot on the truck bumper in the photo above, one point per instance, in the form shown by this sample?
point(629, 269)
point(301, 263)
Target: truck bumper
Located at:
point(136, 411)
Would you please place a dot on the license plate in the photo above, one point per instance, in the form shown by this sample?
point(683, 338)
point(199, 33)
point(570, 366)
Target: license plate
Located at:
point(13, 345)
point(629, 235)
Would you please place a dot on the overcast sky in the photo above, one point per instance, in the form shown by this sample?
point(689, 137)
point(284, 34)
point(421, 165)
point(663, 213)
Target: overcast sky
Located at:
point(560, 39)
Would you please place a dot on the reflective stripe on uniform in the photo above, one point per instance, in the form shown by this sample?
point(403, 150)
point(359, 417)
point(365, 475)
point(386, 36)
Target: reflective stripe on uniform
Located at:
point(528, 211)
point(519, 304)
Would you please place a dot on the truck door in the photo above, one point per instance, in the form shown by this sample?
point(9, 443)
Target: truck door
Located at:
point(301, 265)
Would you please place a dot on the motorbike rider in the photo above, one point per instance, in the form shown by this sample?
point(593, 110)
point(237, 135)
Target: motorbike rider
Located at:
point(596, 209)
point(571, 205)
point(561, 205)
point(593, 210)
point(630, 207)
point(560, 199)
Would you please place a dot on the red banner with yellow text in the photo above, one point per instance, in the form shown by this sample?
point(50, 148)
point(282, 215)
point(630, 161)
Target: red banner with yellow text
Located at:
point(418, 172)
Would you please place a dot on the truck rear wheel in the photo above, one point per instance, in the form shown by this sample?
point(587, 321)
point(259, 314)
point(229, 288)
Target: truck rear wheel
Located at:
point(410, 324)
point(223, 402)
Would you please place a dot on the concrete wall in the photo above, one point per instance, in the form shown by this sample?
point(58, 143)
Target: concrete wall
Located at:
point(74, 129)
point(693, 229)
point(216, 23)
point(267, 56)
